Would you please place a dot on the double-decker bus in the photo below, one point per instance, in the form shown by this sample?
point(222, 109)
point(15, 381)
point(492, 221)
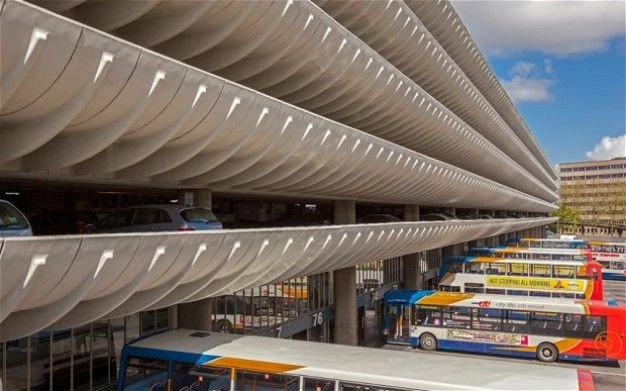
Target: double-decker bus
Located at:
point(547, 243)
point(612, 258)
point(548, 254)
point(541, 327)
point(258, 308)
point(574, 279)
point(190, 360)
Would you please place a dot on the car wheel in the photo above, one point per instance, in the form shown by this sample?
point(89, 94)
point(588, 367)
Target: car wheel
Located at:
point(223, 326)
point(428, 342)
point(547, 352)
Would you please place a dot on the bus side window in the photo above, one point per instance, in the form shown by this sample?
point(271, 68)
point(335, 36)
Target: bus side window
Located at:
point(457, 317)
point(455, 267)
point(516, 322)
point(593, 325)
point(546, 323)
point(474, 267)
point(573, 325)
point(563, 271)
point(487, 319)
point(496, 268)
point(518, 269)
point(540, 270)
point(428, 316)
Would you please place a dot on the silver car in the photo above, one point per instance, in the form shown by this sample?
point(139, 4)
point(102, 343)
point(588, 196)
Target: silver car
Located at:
point(158, 218)
point(12, 221)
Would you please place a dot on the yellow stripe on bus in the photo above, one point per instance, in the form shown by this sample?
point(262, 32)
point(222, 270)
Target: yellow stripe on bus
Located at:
point(252, 365)
point(445, 298)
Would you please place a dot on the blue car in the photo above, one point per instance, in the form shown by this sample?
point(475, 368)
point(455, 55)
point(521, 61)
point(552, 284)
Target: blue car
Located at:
point(158, 218)
point(12, 221)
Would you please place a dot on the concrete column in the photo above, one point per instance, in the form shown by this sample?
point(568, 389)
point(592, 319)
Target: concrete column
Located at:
point(455, 249)
point(195, 315)
point(502, 239)
point(172, 317)
point(411, 269)
point(344, 285)
point(491, 241)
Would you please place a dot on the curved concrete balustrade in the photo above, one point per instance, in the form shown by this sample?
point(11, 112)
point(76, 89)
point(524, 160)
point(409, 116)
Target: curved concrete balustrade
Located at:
point(297, 53)
point(408, 45)
point(80, 105)
point(62, 282)
point(444, 23)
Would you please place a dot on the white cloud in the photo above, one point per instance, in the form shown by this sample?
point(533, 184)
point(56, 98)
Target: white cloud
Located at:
point(553, 27)
point(527, 84)
point(608, 148)
point(523, 68)
point(547, 66)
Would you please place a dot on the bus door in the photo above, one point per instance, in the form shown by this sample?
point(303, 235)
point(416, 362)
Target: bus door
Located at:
point(399, 323)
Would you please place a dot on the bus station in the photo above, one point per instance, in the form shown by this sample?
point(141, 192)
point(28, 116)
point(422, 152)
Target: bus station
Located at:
point(251, 170)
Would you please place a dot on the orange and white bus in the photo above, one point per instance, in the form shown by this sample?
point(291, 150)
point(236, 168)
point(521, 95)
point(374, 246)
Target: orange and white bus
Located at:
point(263, 307)
point(612, 258)
point(547, 243)
point(548, 254)
point(522, 277)
point(542, 327)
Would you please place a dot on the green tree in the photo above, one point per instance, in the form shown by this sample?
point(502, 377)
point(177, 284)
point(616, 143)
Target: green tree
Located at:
point(569, 220)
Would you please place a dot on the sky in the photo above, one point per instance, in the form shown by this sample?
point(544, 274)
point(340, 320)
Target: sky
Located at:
point(563, 64)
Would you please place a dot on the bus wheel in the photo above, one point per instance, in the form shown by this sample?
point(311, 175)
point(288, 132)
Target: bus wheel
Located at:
point(223, 326)
point(547, 352)
point(428, 342)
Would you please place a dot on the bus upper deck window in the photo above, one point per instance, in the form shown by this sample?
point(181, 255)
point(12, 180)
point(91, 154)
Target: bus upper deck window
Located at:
point(475, 268)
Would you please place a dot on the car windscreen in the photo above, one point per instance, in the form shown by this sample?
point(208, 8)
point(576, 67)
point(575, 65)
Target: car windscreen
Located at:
point(198, 215)
point(11, 218)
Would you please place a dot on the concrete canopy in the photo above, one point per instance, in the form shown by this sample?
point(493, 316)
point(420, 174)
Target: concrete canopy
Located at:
point(409, 46)
point(295, 52)
point(78, 103)
point(444, 23)
point(62, 282)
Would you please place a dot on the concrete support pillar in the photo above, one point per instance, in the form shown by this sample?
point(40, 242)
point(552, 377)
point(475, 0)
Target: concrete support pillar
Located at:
point(455, 249)
point(195, 315)
point(172, 317)
point(344, 285)
point(491, 241)
point(412, 271)
point(502, 239)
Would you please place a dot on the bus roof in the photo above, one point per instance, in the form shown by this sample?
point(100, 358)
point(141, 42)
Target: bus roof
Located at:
point(411, 370)
point(608, 244)
point(471, 258)
point(511, 302)
point(552, 240)
point(405, 296)
point(540, 250)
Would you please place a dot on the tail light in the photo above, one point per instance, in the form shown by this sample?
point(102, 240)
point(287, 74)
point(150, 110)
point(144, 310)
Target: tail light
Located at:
point(185, 228)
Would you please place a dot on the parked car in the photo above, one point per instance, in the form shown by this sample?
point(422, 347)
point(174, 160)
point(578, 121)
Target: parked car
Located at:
point(12, 221)
point(158, 218)
point(63, 222)
point(379, 218)
point(436, 217)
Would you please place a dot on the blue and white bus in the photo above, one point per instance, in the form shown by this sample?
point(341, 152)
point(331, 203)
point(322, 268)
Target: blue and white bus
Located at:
point(189, 360)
